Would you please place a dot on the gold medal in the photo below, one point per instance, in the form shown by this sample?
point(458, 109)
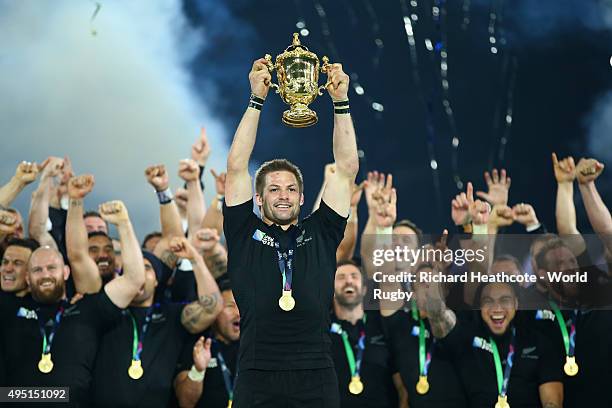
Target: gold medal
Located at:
point(502, 402)
point(422, 386)
point(570, 367)
point(356, 386)
point(45, 365)
point(286, 301)
point(135, 371)
point(229, 404)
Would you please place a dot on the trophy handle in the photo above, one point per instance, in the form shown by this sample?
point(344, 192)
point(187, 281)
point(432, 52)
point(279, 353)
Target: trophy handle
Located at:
point(324, 70)
point(270, 66)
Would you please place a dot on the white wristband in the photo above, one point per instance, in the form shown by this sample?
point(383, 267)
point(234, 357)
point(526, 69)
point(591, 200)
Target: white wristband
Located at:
point(195, 375)
point(480, 229)
point(384, 230)
point(533, 227)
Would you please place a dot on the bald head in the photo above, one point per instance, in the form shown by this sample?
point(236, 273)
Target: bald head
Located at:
point(47, 274)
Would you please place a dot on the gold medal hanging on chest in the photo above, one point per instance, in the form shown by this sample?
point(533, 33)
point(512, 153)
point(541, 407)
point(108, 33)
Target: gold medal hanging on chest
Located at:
point(45, 365)
point(422, 386)
point(502, 402)
point(570, 367)
point(356, 386)
point(286, 301)
point(135, 371)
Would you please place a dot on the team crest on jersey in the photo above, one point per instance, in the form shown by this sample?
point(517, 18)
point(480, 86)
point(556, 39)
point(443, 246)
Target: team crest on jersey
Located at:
point(212, 363)
point(545, 314)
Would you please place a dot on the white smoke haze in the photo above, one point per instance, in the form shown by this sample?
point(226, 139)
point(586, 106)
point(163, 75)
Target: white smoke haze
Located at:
point(114, 102)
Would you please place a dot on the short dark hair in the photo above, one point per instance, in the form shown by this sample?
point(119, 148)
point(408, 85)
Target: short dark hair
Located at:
point(92, 214)
point(99, 234)
point(509, 258)
point(154, 234)
point(344, 262)
point(27, 243)
point(407, 223)
point(515, 289)
point(277, 165)
point(550, 245)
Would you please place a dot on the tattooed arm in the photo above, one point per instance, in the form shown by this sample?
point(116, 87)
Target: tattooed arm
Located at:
point(197, 316)
point(441, 319)
point(207, 243)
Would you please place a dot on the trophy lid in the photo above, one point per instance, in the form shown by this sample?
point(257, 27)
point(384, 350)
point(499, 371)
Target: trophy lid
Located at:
point(296, 44)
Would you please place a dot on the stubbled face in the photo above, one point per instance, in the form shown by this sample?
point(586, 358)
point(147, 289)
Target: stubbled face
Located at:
point(14, 268)
point(505, 266)
point(348, 286)
point(152, 243)
point(562, 260)
point(102, 252)
point(47, 275)
point(147, 291)
point(95, 224)
point(281, 199)
point(498, 306)
point(227, 324)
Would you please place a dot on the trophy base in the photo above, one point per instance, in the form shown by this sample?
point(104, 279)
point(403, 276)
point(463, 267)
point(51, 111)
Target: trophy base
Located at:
point(300, 116)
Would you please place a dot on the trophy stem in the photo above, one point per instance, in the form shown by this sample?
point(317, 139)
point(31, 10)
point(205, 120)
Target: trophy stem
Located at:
point(299, 116)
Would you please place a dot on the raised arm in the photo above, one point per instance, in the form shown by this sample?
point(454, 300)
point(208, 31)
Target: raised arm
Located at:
point(189, 387)
point(200, 314)
point(338, 189)
point(238, 187)
point(214, 215)
point(84, 270)
point(441, 319)
point(346, 249)
point(39, 208)
point(169, 216)
point(25, 174)
point(208, 244)
point(565, 212)
point(124, 288)
point(189, 171)
point(587, 172)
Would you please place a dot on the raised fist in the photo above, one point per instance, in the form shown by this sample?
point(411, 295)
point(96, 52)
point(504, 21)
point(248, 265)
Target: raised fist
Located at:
point(189, 170)
point(201, 354)
point(498, 185)
point(479, 212)
point(588, 170)
point(157, 177)
point(337, 82)
point(565, 170)
point(8, 222)
point(26, 172)
point(525, 214)
point(114, 212)
point(80, 186)
point(182, 248)
point(501, 216)
point(219, 181)
point(260, 78)
point(200, 150)
point(53, 167)
point(205, 239)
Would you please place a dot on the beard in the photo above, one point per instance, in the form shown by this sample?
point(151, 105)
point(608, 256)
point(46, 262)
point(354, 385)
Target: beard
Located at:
point(268, 212)
point(48, 296)
point(349, 303)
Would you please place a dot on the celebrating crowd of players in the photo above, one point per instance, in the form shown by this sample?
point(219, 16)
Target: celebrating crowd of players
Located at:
point(125, 323)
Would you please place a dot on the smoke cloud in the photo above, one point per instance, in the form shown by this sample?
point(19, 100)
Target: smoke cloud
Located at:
point(114, 102)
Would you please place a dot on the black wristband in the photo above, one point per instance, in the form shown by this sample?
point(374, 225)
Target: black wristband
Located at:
point(255, 105)
point(339, 104)
point(341, 111)
point(257, 99)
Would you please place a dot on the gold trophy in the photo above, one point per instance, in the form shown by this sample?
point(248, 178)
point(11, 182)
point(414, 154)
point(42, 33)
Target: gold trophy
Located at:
point(297, 72)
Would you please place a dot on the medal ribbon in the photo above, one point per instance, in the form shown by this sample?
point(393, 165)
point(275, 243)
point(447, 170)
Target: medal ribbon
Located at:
point(424, 355)
point(228, 380)
point(354, 365)
point(139, 339)
point(502, 380)
point(47, 343)
point(285, 260)
point(563, 326)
